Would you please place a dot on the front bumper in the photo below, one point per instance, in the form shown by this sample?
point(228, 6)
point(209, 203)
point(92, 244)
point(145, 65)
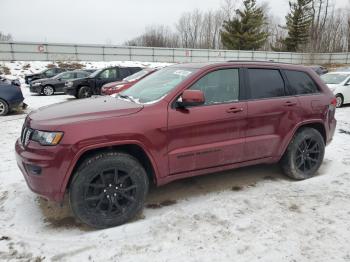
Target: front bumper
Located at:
point(44, 168)
point(35, 89)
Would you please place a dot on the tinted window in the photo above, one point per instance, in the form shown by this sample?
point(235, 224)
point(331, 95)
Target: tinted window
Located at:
point(220, 86)
point(124, 72)
point(82, 75)
point(265, 83)
point(300, 83)
point(69, 75)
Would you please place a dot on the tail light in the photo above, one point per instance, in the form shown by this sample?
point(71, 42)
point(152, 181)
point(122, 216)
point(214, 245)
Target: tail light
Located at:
point(334, 102)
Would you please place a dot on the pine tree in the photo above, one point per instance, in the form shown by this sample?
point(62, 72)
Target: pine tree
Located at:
point(298, 21)
point(245, 32)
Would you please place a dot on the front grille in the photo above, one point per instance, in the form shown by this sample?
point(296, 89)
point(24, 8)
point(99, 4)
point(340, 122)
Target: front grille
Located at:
point(26, 135)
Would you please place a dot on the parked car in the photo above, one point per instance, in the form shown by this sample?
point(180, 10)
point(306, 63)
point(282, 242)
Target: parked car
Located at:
point(181, 121)
point(117, 87)
point(47, 73)
point(320, 70)
point(91, 85)
point(48, 86)
point(339, 83)
point(343, 69)
point(11, 96)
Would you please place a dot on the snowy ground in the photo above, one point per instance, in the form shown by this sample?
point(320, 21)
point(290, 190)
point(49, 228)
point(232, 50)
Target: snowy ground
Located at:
point(249, 214)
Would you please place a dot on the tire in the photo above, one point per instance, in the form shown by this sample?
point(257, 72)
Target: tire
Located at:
point(304, 154)
point(84, 92)
point(108, 190)
point(48, 90)
point(4, 108)
point(340, 100)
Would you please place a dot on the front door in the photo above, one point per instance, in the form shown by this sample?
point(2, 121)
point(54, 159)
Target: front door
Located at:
point(210, 135)
point(106, 76)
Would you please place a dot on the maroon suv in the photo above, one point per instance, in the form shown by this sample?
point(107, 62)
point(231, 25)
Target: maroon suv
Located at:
point(182, 121)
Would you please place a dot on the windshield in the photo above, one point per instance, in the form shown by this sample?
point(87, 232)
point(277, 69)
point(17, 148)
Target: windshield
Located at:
point(136, 76)
point(334, 78)
point(157, 85)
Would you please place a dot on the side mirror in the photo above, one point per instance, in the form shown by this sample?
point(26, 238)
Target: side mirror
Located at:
point(347, 84)
point(191, 98)
point(59, 79)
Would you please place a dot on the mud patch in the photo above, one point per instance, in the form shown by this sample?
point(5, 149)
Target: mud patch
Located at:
point(270, 178)
point(343, 131)
point(5, 238)
point(294, 208)
point(237, 188)
point(161, 204)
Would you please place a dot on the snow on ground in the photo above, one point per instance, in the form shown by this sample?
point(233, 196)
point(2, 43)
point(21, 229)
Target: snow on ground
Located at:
point(249, 214)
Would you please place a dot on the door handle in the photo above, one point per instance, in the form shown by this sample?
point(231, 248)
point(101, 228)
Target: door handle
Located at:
point(289, 103)
point(234, 110)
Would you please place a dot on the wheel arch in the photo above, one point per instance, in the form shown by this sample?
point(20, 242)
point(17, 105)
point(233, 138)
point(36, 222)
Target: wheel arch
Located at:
point(317, 125)
point(54, 89)
point(134, 149)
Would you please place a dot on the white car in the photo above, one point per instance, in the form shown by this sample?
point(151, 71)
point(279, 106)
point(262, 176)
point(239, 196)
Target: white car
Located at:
point(339, 83)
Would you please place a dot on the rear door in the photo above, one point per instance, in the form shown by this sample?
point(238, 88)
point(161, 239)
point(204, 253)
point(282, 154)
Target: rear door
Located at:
point(62, 80)
point(212, 134)
point(272, 112)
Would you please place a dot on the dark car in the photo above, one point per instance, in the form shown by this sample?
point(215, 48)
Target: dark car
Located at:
point(11, 96)
point(47, 73)
point(91, 85)
point(48, 86)
point(320, 70)
point(119, 86)
point(182, 121)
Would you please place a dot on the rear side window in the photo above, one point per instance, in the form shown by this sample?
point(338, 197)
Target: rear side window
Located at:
point(300, 83)
point(124, 72)
point(265, 83)
point(220, 86)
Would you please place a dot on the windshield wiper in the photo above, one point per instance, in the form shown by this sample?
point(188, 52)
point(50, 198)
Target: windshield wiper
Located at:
point(127, 97)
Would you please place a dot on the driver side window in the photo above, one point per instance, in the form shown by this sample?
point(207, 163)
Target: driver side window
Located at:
point(219, 87)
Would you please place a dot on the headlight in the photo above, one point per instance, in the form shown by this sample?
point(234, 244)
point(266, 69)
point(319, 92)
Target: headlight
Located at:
point(69, 84)
point(332, 89)
point(47, 138)
point(36, 84)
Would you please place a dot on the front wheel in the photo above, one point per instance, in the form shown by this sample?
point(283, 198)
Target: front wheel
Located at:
point(84, 92)
point(304, 154)
point(48, 90)
point(108, 190)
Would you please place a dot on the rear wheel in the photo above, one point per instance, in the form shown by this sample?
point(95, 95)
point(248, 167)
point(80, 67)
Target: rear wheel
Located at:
point(84, 92)
point(48, 90)
point(4, 108)
point(304, 154)
point(108, 190)
point(340, 100)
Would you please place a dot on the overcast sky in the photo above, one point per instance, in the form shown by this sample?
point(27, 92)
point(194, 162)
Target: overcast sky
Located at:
point(100, 21)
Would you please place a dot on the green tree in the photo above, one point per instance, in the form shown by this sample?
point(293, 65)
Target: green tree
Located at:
point(299, 21)
point(246, 30)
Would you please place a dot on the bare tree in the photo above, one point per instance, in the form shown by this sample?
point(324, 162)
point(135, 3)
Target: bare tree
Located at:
point(5, 37)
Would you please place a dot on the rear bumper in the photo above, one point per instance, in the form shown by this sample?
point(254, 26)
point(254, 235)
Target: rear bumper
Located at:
point(16, 104)
point(44, 168)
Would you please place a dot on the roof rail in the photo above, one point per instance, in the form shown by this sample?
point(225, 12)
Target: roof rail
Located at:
point(261, 61)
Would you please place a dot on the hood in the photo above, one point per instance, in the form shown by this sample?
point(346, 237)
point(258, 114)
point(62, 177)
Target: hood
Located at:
point(333, 86)
point(40, 80)
point(89, 109)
